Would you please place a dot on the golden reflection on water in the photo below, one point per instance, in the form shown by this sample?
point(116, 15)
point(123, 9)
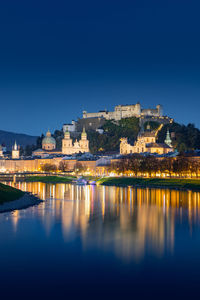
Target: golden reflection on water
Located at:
point(127, 221)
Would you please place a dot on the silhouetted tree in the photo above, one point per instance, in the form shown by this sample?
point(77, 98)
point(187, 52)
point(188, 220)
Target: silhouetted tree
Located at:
point(49, 168)
point(63, 166)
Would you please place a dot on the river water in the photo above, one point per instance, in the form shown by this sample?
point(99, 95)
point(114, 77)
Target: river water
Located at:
point(101, 242)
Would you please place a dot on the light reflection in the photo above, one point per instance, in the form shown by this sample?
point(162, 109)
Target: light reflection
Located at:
point(127, 221)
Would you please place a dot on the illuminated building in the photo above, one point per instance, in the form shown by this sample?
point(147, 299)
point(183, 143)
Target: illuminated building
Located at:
point(125, 111)
point(68, 147)
point(146, 142)
point(48, 142)
point(15, 151)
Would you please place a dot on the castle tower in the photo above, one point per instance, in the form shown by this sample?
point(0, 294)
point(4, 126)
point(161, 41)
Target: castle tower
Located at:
point(168, 140)
point(160, 110)
point(84, 143)
point(67, 147)
point(138, 108)
point(15, 151)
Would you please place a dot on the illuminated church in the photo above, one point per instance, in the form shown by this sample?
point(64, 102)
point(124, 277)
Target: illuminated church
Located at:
point(48, 142)
point(68, 147)
point(146, 142)
point(15, 151)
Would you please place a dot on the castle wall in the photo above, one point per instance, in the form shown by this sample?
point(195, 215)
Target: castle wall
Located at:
point(90, 124)
point(125, 111)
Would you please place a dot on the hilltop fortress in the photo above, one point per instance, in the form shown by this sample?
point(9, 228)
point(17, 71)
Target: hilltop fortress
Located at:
point(95, 120)
point(126, 111)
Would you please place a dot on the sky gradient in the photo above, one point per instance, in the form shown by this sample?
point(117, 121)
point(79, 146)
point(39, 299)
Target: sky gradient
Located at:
point(58, 58)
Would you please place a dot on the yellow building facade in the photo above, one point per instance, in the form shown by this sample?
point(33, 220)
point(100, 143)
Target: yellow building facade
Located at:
point(68, 147)
point(146, 142)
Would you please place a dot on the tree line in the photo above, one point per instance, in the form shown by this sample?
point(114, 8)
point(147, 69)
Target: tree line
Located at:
point(63, 167)
point(180, 166)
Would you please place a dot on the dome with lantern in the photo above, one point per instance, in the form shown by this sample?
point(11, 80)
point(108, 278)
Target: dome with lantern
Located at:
point(48, 142)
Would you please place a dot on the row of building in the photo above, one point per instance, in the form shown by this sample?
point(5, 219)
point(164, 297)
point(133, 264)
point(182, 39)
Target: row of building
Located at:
point(78, 152)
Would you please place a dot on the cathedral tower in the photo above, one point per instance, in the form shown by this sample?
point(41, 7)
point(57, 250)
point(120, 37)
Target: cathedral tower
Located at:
point(84, 143)
point(67, 143)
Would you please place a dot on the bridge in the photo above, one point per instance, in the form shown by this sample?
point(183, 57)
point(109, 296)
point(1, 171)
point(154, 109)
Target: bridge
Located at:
point(16, 177)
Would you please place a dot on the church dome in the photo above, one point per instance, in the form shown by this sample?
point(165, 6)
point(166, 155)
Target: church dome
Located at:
point(48, 139)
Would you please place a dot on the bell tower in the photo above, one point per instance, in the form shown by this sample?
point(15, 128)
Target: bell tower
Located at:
point(15, 151)
point(84, 143)
point(67, 143)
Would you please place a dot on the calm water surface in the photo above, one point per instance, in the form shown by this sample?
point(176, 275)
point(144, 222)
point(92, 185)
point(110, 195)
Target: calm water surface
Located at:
point(94, 242)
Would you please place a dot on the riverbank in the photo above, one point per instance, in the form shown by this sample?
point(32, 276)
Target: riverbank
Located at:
point(173, 183)
point(25, 201)
point(50, 179)
point(12, 199)
point(8, 193)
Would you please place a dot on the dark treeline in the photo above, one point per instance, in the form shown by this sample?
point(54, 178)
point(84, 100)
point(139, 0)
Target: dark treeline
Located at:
point(63, 166)
point(184, 138)
point(180, 166)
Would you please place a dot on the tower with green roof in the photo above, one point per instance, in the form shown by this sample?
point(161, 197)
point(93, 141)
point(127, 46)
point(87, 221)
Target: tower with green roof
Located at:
point(168, 140)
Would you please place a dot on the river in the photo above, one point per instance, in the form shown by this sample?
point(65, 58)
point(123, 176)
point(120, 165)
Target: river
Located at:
point(97, 241)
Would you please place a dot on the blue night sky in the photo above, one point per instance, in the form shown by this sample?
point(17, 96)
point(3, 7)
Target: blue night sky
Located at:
point(58, 58)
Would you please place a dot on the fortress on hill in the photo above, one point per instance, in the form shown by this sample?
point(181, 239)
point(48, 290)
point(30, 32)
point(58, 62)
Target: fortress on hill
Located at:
point(95, 120)
point(126, 111)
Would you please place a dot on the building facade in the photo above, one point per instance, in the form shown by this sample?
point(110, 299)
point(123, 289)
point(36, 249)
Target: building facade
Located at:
point(70, 127)
point(146, 142)
point(68, 147)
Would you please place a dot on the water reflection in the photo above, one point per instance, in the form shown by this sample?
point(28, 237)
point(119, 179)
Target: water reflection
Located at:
point(129, 222)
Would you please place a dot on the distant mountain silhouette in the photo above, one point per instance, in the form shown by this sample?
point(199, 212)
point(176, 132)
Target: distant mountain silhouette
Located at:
point(9, 138)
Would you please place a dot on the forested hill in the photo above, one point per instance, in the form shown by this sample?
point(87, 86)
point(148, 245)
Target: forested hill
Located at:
point(113, 131)
point(9, 138)
point(184, 137)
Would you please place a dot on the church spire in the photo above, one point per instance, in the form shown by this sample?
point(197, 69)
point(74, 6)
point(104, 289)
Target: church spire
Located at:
point(84, 134)
point(15, 146)
point(168, 140)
